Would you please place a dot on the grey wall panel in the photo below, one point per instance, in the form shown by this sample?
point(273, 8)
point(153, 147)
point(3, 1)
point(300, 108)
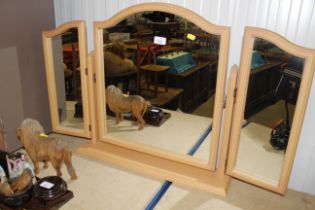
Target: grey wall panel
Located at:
point(21, 25)
point(11, 103)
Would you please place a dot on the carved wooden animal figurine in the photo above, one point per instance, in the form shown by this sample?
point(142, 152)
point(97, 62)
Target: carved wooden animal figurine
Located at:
point(119, 103)
point(41, 148)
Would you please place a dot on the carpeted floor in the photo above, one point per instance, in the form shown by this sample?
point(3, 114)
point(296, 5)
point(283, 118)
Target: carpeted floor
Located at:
point(102, 186)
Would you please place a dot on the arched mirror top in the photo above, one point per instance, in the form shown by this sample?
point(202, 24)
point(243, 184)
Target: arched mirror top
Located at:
point(278, 40)
point(64, 28)
point(168, 8)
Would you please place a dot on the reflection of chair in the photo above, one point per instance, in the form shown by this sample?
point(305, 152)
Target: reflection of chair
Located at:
point(72, 61)
point(125, 78)
point(154, 70)
point(146, 52)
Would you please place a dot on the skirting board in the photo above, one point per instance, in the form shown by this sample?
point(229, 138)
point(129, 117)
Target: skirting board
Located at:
point(163, 169)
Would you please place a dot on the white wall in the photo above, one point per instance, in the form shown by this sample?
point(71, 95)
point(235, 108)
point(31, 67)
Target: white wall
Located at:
point(293, 19)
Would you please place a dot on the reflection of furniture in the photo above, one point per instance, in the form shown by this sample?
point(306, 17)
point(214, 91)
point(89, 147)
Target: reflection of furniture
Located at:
point(204, 44)
point(70, 49)
point(34, 203)
point(125, 78)
point(78, 109)
point(262, 84)
point(257, 60)
point(165, 28)
point(72, 61)
point(288, 86)
point(177, 61)
point(156, 70)
point(172, 99)
point(71, 55)
point(147, 54)
point(288, 89)
point(145, 51)
point(198, 83)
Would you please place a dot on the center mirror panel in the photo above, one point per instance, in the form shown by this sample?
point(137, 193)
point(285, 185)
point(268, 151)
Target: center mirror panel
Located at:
point(160, 83)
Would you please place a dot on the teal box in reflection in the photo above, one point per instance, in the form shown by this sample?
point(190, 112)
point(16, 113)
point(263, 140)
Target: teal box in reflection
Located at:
point(257, 60)
point(177, 61)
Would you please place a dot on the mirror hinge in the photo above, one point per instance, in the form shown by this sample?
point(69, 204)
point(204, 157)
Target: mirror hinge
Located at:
point(94, 78)
point(86, 71)
point(90, 127)
point(224, 102)
point(235, 92)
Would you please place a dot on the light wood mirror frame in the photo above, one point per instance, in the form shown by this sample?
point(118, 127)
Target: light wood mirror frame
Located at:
point(222, 31)
point(309, 61)
point(47, 37)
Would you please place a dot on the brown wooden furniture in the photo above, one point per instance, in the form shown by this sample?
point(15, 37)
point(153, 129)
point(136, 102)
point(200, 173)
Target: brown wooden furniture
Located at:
point(261, 87)
point(35, 204)
point(198, 84)
point(172, 99)
point(156, 70)
point(125, 78)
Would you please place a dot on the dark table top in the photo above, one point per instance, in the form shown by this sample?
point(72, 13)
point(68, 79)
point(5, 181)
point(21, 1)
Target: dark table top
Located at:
point(35, 204)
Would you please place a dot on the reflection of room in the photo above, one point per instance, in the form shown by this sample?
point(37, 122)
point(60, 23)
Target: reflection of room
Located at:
point(159, 38)
point(271, 97)
point(67, 73)
point(170, 62)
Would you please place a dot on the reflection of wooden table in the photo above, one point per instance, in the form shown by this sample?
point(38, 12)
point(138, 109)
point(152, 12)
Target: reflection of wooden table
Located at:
point(156, 70)
point(171, 99)
point(35, 204)
point(197, 83)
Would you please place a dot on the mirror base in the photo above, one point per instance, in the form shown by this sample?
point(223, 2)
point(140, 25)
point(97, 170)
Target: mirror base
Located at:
point(183, 175)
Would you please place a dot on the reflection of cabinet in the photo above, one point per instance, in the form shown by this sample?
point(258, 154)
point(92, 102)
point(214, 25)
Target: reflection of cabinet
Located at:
point(198, 83)
point(262, 84)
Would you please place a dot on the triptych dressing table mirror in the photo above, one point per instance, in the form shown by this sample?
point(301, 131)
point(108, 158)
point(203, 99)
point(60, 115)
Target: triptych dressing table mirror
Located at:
point(178, 66)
